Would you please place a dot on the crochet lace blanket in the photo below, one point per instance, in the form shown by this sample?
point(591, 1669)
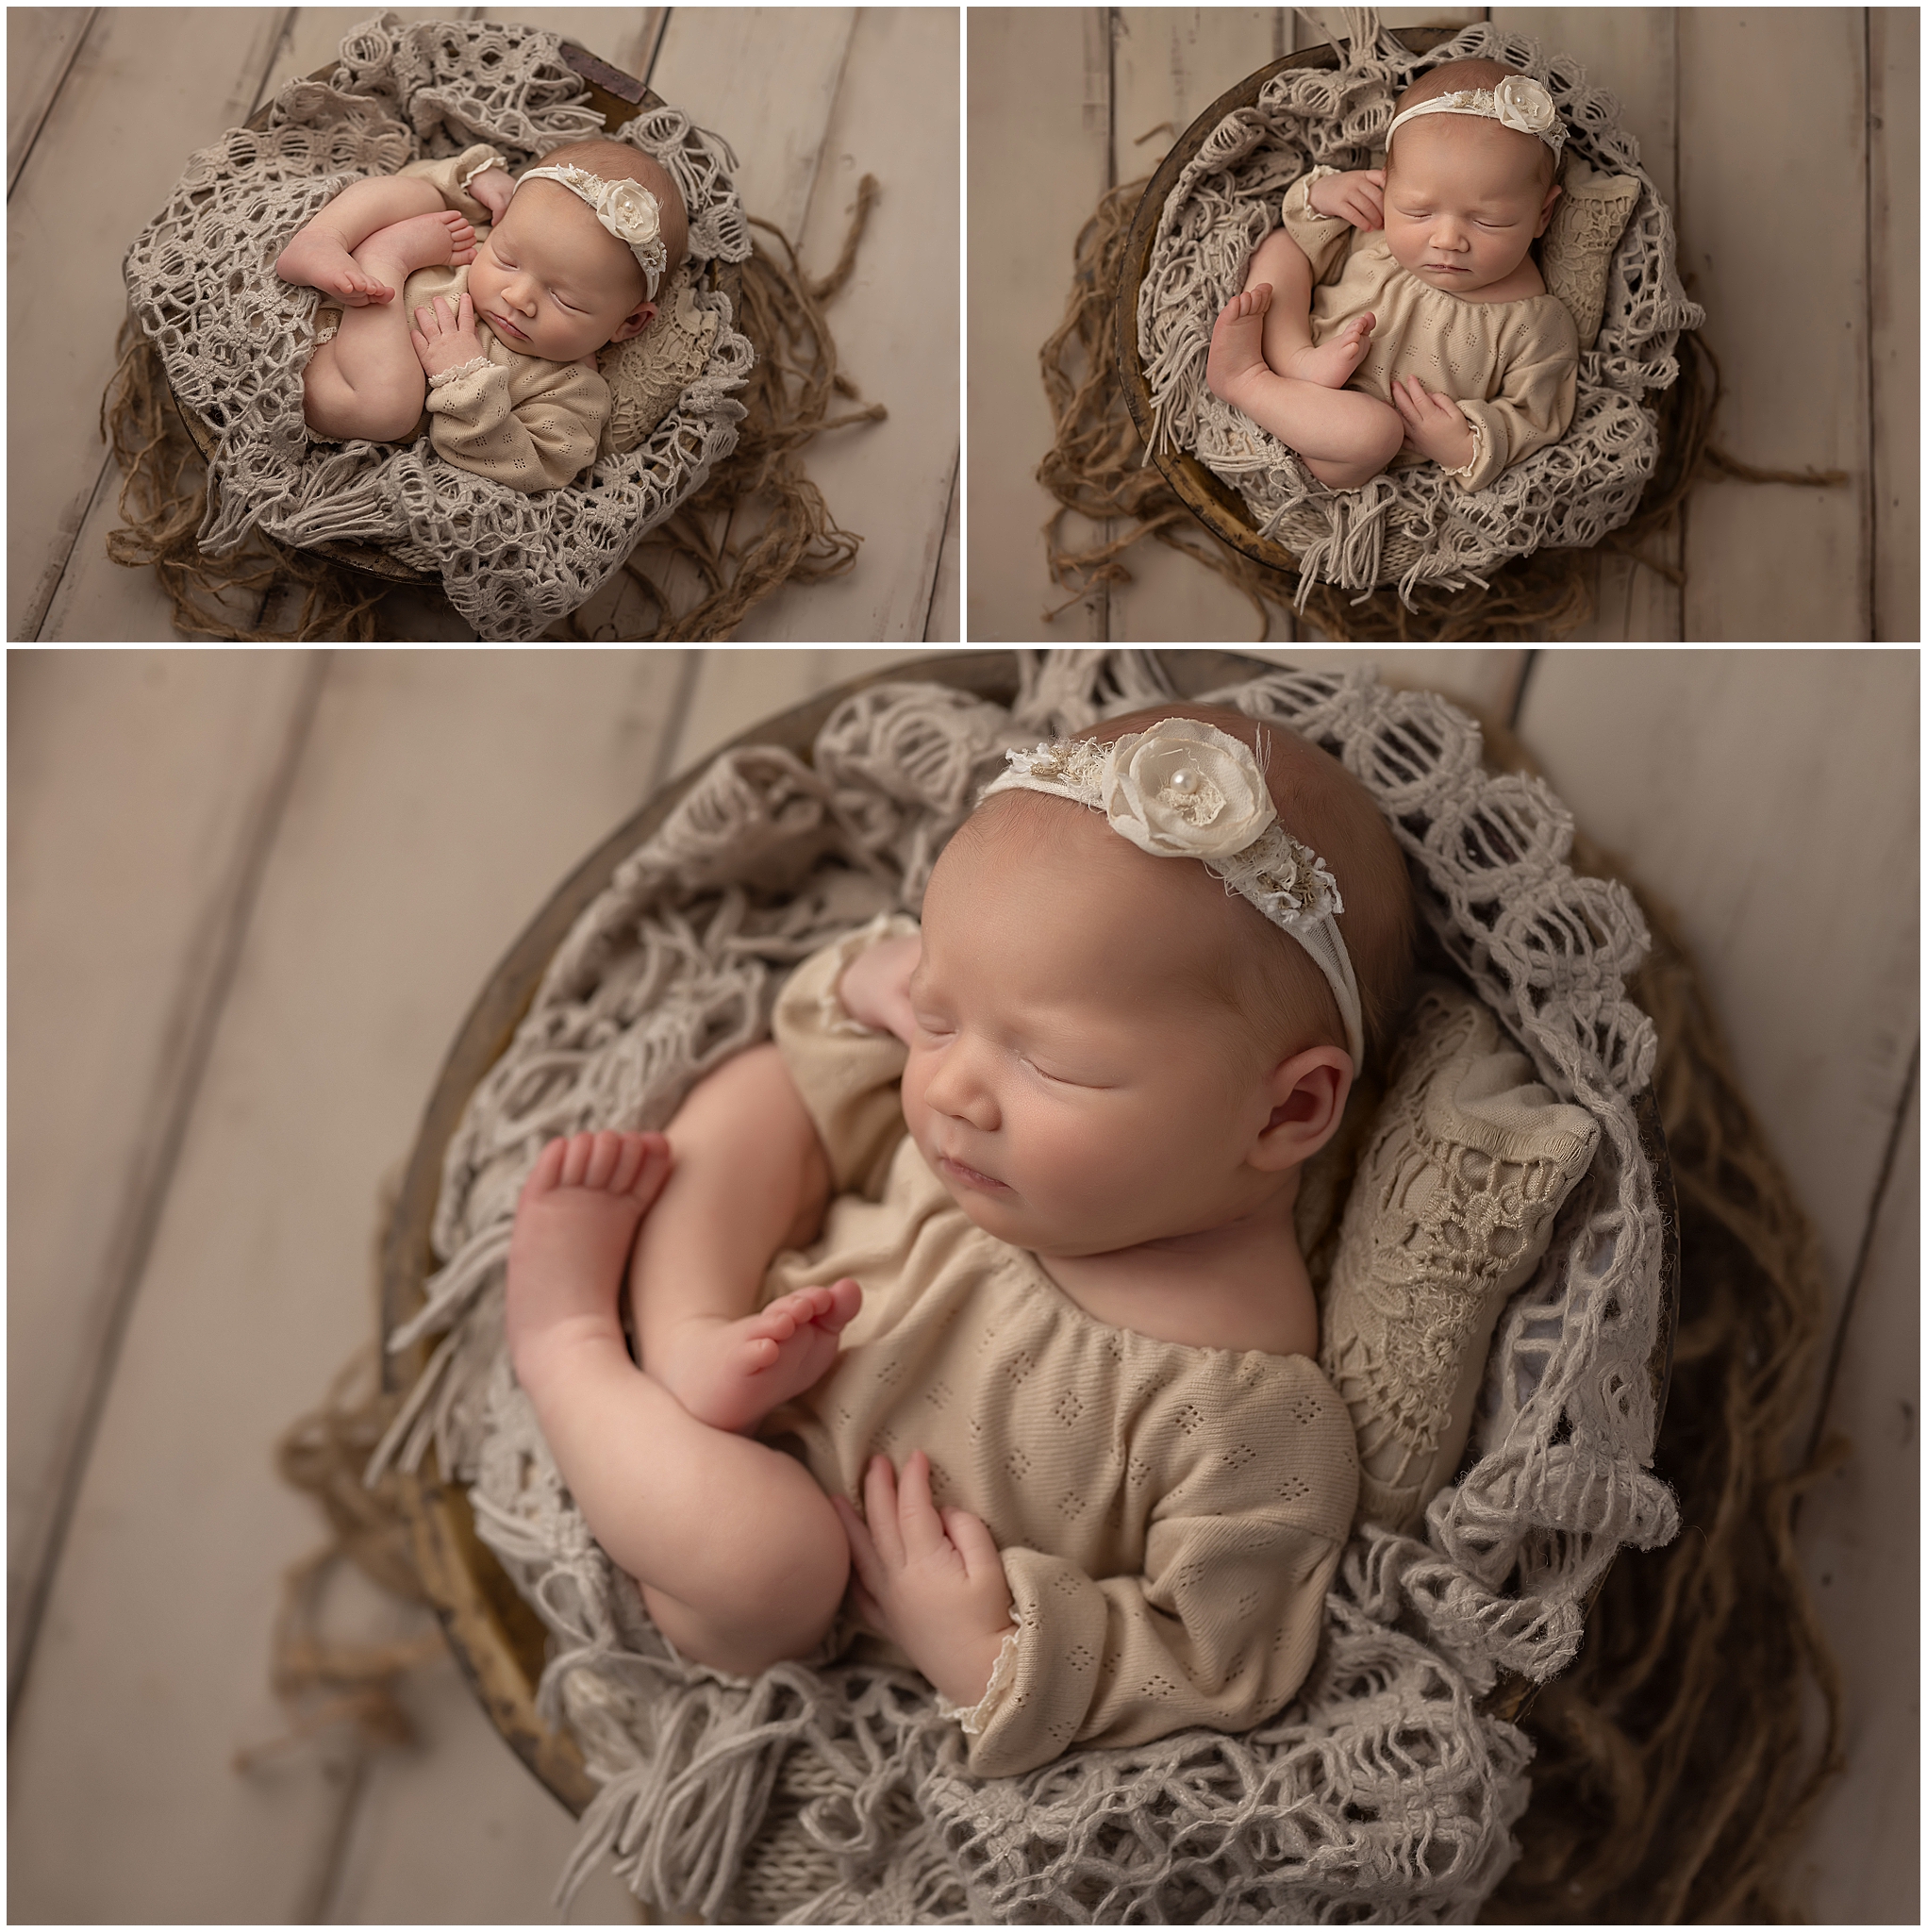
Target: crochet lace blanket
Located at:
point(234, 338)
point(840, 1794)
point(1416, 525)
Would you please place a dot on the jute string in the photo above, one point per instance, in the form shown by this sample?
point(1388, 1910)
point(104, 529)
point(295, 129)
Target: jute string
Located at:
point(1096, 468)
point(1671, 1781)
point(758, 522)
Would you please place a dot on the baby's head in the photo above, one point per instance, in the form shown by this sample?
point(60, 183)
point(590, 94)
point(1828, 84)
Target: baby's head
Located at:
point(1464, 196)
point(550, 280)
point(1114, 1048)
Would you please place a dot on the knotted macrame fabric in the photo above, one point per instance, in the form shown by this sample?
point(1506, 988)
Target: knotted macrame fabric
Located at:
point(1416, 525)
point(234, 338)
point(840, 1794)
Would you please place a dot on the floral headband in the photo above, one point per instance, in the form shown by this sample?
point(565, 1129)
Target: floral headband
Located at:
point(625, 208)
point(1518, 102)
point(1186, 789)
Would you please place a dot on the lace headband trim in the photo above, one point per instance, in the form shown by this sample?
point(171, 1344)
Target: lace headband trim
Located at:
point(1186, 789)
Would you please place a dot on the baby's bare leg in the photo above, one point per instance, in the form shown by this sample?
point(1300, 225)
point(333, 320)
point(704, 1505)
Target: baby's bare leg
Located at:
point(1345, 438)
point(739, 1555)
point(368, 381)
point(750, 1179)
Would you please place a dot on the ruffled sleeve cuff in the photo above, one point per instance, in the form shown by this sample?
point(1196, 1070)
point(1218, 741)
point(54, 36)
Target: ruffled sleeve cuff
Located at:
point(1479, 469)
point(472, 367)
point(978, 1714)
point(1297, 204)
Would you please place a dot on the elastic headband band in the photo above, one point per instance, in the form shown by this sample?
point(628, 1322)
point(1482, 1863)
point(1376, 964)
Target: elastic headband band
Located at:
point(1518, 102)
point(1186, 789)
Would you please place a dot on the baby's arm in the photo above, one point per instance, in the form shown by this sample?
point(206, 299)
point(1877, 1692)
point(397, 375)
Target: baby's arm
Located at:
point(1356, 196)
point(543, 441)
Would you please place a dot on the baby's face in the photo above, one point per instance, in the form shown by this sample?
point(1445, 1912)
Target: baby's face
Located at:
point(550, 280)
point(1068, 1081)
point(1463, 201)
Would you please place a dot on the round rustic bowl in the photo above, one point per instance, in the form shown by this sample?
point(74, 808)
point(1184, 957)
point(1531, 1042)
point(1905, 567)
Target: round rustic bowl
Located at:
point(498, 1640)
point(616, 97)
point(1215, 503)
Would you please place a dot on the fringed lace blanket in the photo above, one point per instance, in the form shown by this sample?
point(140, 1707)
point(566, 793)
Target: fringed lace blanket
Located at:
point(234, 338)
point(1416, 525)
point(840, 1794)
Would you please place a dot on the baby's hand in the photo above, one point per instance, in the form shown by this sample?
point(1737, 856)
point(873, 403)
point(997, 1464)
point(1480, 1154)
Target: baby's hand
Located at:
point(493, 189)
point(444, 335)
point(1436, 427)
point(1358, 196)
point(933, 1584)
point(874, 988)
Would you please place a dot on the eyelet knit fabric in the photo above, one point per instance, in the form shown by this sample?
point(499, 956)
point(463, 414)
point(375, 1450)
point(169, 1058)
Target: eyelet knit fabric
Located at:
point(234, 338)
point(1411, 524)
point(841, 1792)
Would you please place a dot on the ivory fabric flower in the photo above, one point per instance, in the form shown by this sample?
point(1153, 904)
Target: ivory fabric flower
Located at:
point(630, 210)
point(1186, 789)
point(1523, 103)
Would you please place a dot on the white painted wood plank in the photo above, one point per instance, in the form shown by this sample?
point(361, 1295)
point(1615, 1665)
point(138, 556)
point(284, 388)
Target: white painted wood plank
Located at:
point(896, 329)
point(1632, 51)
point(1772, 799)
point(444, 796)
point(1039, 140)
point(1860, 1547)
point(133, 785)
point(737, 687)
point(766, 79)
point(1168, 65)
point(1778, 561)
point(462, 1834)
point(148, 86)
point(944, 622)
point(1894, 133)
point(40, 40)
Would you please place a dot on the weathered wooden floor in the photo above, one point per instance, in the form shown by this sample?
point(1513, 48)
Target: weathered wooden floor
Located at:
point(811, 99)
point(1818, 340)
point(251, 896)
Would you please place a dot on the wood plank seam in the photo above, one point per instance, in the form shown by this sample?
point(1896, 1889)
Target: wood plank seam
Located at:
point(197, 1021)
point(1896, 1133)
point(663, 768)
point(1871, 495)
point(52, 95)
point(937, 552)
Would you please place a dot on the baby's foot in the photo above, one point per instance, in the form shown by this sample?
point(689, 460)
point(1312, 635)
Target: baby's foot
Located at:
point(574, 1225)
point(317, 258)
point(1331, 363)
point(731, 1375)
point(1237, 342)
point(429, 240)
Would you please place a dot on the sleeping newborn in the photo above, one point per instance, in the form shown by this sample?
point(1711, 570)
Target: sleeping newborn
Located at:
point(1437, 340)
point(486, 298)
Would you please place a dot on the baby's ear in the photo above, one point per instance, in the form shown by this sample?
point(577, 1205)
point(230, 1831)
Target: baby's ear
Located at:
point(635, 322)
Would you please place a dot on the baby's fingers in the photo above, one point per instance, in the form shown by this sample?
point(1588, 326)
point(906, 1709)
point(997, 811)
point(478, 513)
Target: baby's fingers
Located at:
point(974, 1542)
point(921, 1526)
point(880, 1509)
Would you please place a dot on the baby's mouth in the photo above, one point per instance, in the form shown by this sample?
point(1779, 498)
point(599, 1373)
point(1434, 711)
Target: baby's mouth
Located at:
point(503, 323)
point(970, 1176)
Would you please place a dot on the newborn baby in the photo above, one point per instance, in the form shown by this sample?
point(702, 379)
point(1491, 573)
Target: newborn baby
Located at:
point(1054, 1333)
point(487, 298)
point(1438, 339)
